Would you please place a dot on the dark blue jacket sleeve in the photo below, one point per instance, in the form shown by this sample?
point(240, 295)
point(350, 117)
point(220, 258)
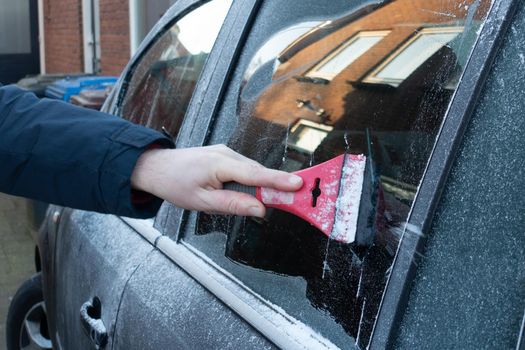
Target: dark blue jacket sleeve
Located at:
point(66, 155)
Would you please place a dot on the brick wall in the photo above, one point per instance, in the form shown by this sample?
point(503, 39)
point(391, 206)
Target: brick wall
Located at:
point(114, 36)
point(63, 36)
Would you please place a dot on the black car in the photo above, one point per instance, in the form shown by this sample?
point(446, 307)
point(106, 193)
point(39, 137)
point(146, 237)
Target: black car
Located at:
point(431, 91)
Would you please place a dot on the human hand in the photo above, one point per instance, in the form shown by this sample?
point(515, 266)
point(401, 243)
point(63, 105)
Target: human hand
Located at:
point(192, 178)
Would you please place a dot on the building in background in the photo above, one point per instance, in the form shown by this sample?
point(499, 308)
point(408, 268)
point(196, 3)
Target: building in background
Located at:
point(72, 36)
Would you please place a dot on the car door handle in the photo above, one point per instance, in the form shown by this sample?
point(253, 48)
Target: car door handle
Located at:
point(90, 317)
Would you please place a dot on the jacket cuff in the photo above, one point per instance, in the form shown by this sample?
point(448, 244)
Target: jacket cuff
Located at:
point(128, 144)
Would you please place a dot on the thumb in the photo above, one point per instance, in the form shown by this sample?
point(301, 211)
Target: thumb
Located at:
point(233, 203)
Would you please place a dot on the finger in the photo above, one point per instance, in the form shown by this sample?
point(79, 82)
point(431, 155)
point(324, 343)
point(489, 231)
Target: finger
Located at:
point(252, 175)
point(233, 203)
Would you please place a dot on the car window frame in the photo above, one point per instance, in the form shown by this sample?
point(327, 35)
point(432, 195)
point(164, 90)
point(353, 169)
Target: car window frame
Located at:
point(520, 345)
point(209, 90)
point(199, 119)
point(113, 103)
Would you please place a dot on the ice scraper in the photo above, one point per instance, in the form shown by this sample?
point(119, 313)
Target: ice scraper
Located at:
point(329, 198)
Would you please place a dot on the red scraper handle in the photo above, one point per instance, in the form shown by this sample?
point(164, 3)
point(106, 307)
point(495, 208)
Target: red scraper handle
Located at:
point(316, 201)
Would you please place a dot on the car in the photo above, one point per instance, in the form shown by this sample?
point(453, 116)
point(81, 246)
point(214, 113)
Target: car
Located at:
point(428, 90)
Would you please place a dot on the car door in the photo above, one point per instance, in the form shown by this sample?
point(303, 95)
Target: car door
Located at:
point(311, 80)
point(93, 257)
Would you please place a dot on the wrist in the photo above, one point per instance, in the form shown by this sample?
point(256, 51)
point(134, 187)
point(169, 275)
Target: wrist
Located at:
point(144, 170)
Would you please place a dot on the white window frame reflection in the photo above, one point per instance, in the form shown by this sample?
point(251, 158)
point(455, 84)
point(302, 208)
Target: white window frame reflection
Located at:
point(316, 71)
point(375, 77)
point(306, 135)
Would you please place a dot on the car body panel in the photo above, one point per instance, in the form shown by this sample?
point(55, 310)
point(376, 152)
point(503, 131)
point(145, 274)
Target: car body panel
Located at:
point(190, 316)
point(94, 255)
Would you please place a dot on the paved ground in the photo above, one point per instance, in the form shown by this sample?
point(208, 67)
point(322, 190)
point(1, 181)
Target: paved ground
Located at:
point(16, 253)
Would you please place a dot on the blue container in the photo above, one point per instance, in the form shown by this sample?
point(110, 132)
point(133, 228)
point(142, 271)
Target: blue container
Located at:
point(65, 88)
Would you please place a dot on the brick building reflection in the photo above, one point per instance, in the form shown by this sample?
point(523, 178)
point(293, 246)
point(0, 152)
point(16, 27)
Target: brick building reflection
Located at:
point(348, 98)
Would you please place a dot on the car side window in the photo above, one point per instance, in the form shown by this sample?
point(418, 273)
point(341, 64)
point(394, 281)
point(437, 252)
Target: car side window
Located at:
point(162, 82)
point(315, 81)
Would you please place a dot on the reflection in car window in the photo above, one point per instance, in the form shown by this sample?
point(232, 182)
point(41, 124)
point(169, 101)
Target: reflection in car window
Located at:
point(403, 63)
point(163, 81)
point(344, 56)
point(280, 114)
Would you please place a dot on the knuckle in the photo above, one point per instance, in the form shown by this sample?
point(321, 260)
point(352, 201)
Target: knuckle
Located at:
point(220, 151)
point(259, 166)
point(222, 147)
point(233, 206)
point(255, 171)
point(214, 148)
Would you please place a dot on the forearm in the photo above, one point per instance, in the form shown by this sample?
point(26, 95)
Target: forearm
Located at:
point(59, 153)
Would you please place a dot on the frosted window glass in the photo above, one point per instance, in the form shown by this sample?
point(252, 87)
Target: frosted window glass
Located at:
point(163, 81)
point(414, 55)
